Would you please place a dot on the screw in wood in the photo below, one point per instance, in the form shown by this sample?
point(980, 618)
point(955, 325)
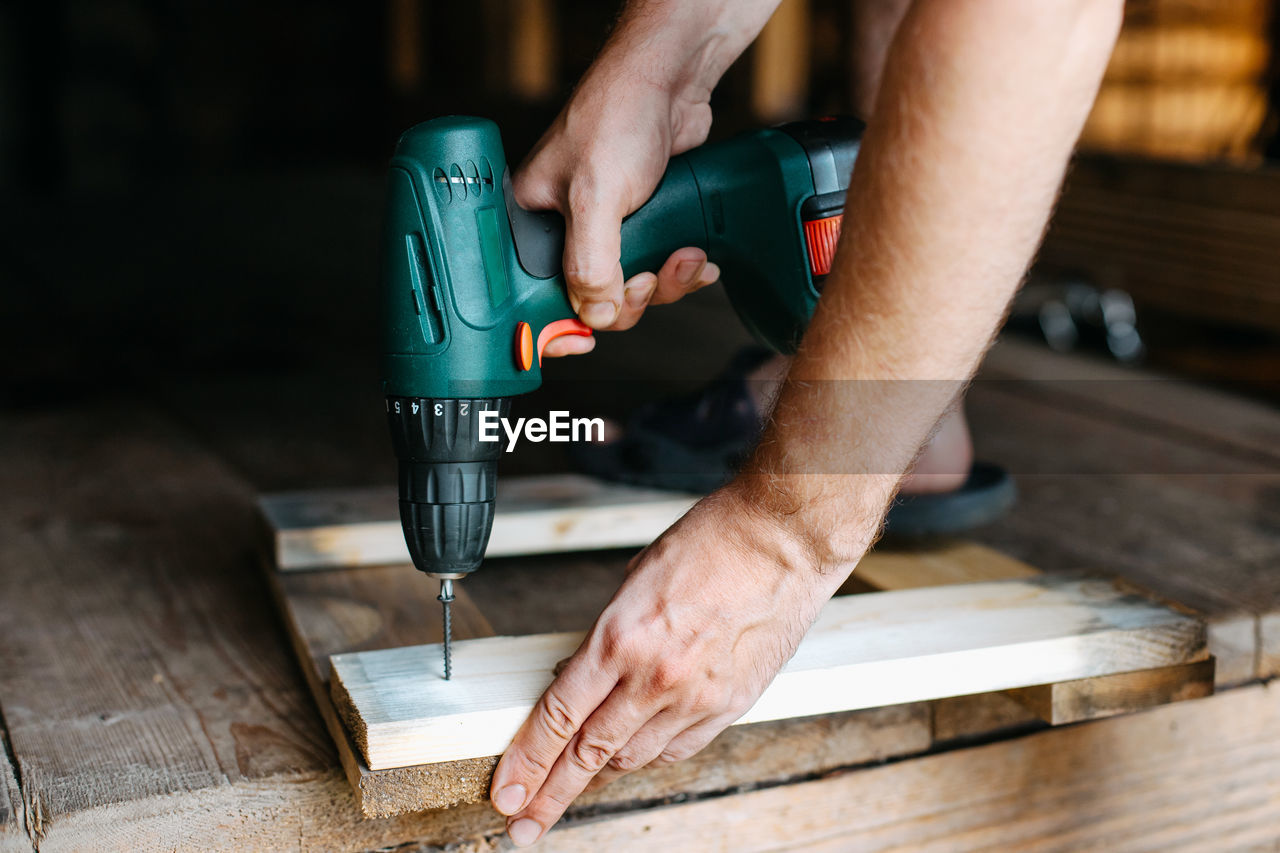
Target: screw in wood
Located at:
point(445, 598)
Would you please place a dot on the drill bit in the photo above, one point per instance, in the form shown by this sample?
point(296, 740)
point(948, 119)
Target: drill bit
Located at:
point(445, 597)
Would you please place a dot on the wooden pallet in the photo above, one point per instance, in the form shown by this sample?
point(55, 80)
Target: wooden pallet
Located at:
point(360, 612)
point(149, 701)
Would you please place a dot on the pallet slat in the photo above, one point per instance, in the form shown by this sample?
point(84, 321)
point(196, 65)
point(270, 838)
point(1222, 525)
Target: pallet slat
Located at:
point(534, 515)
point(865, 651)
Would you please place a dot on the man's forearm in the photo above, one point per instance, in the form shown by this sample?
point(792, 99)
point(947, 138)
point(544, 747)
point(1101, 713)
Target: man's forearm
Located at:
point(684, 45)
point(980, 106)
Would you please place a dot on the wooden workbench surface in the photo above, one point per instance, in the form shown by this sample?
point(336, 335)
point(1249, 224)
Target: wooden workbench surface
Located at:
point(150, 699)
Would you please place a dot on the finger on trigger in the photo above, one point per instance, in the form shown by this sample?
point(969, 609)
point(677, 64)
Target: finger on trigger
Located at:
point(679, 275)
point(569, 345)
point(635, 298)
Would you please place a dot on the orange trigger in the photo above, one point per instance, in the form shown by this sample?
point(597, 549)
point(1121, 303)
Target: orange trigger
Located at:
point(559, 328)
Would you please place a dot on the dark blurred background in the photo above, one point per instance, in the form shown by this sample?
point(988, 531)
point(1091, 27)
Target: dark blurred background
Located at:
point(193, 189)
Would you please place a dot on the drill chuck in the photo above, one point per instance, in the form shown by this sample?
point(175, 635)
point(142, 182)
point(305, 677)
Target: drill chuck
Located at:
point(447, 480)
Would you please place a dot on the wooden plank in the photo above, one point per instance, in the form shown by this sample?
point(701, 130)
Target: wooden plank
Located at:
point(354, 609)
point(534, 515)
point(1108, 695)
point(13, 834)
point(935, 564)
point(984, 716)
point(391, 606)
point(1056, 704)
point(377, 607)
point(1201, 775)
point(865, 651)
point(384, 607)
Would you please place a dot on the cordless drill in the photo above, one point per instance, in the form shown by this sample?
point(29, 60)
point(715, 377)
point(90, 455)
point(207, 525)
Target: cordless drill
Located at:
point(473, 289)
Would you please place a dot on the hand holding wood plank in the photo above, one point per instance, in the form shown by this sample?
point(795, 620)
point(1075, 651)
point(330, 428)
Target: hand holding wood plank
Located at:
point(707, 616)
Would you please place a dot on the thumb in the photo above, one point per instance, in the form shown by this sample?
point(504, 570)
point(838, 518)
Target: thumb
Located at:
point(534, 185)
point(593, 252)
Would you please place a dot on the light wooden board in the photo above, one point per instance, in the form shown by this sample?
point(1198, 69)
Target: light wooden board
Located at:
point(1056, 704)
point(934, 563)
point(1197, 776)
point(864, 651)
point(372, 607)
point(391, 606)
point(534, 515)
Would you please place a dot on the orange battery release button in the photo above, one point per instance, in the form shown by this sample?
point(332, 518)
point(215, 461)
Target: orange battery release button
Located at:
point(558, 328)
point(524, 346)
point(822, 235)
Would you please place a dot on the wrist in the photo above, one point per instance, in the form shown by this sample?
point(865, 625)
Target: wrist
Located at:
point(819, 524)
point(681, 46)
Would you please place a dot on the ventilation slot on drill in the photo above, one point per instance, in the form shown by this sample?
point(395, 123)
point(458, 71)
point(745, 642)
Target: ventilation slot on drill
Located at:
point(465, 181)
point(443, 189)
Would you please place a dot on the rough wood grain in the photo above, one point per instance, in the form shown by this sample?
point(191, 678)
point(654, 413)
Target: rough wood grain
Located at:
point(1108, 695)
point(13, 833)
point(983, 716)
point(1196, 776)
point(149, 696)
point(133, 661)
point(865, 651)
point(534, 515)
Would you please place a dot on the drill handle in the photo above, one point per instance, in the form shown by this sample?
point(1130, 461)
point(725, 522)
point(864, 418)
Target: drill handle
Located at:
point(671, 219)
